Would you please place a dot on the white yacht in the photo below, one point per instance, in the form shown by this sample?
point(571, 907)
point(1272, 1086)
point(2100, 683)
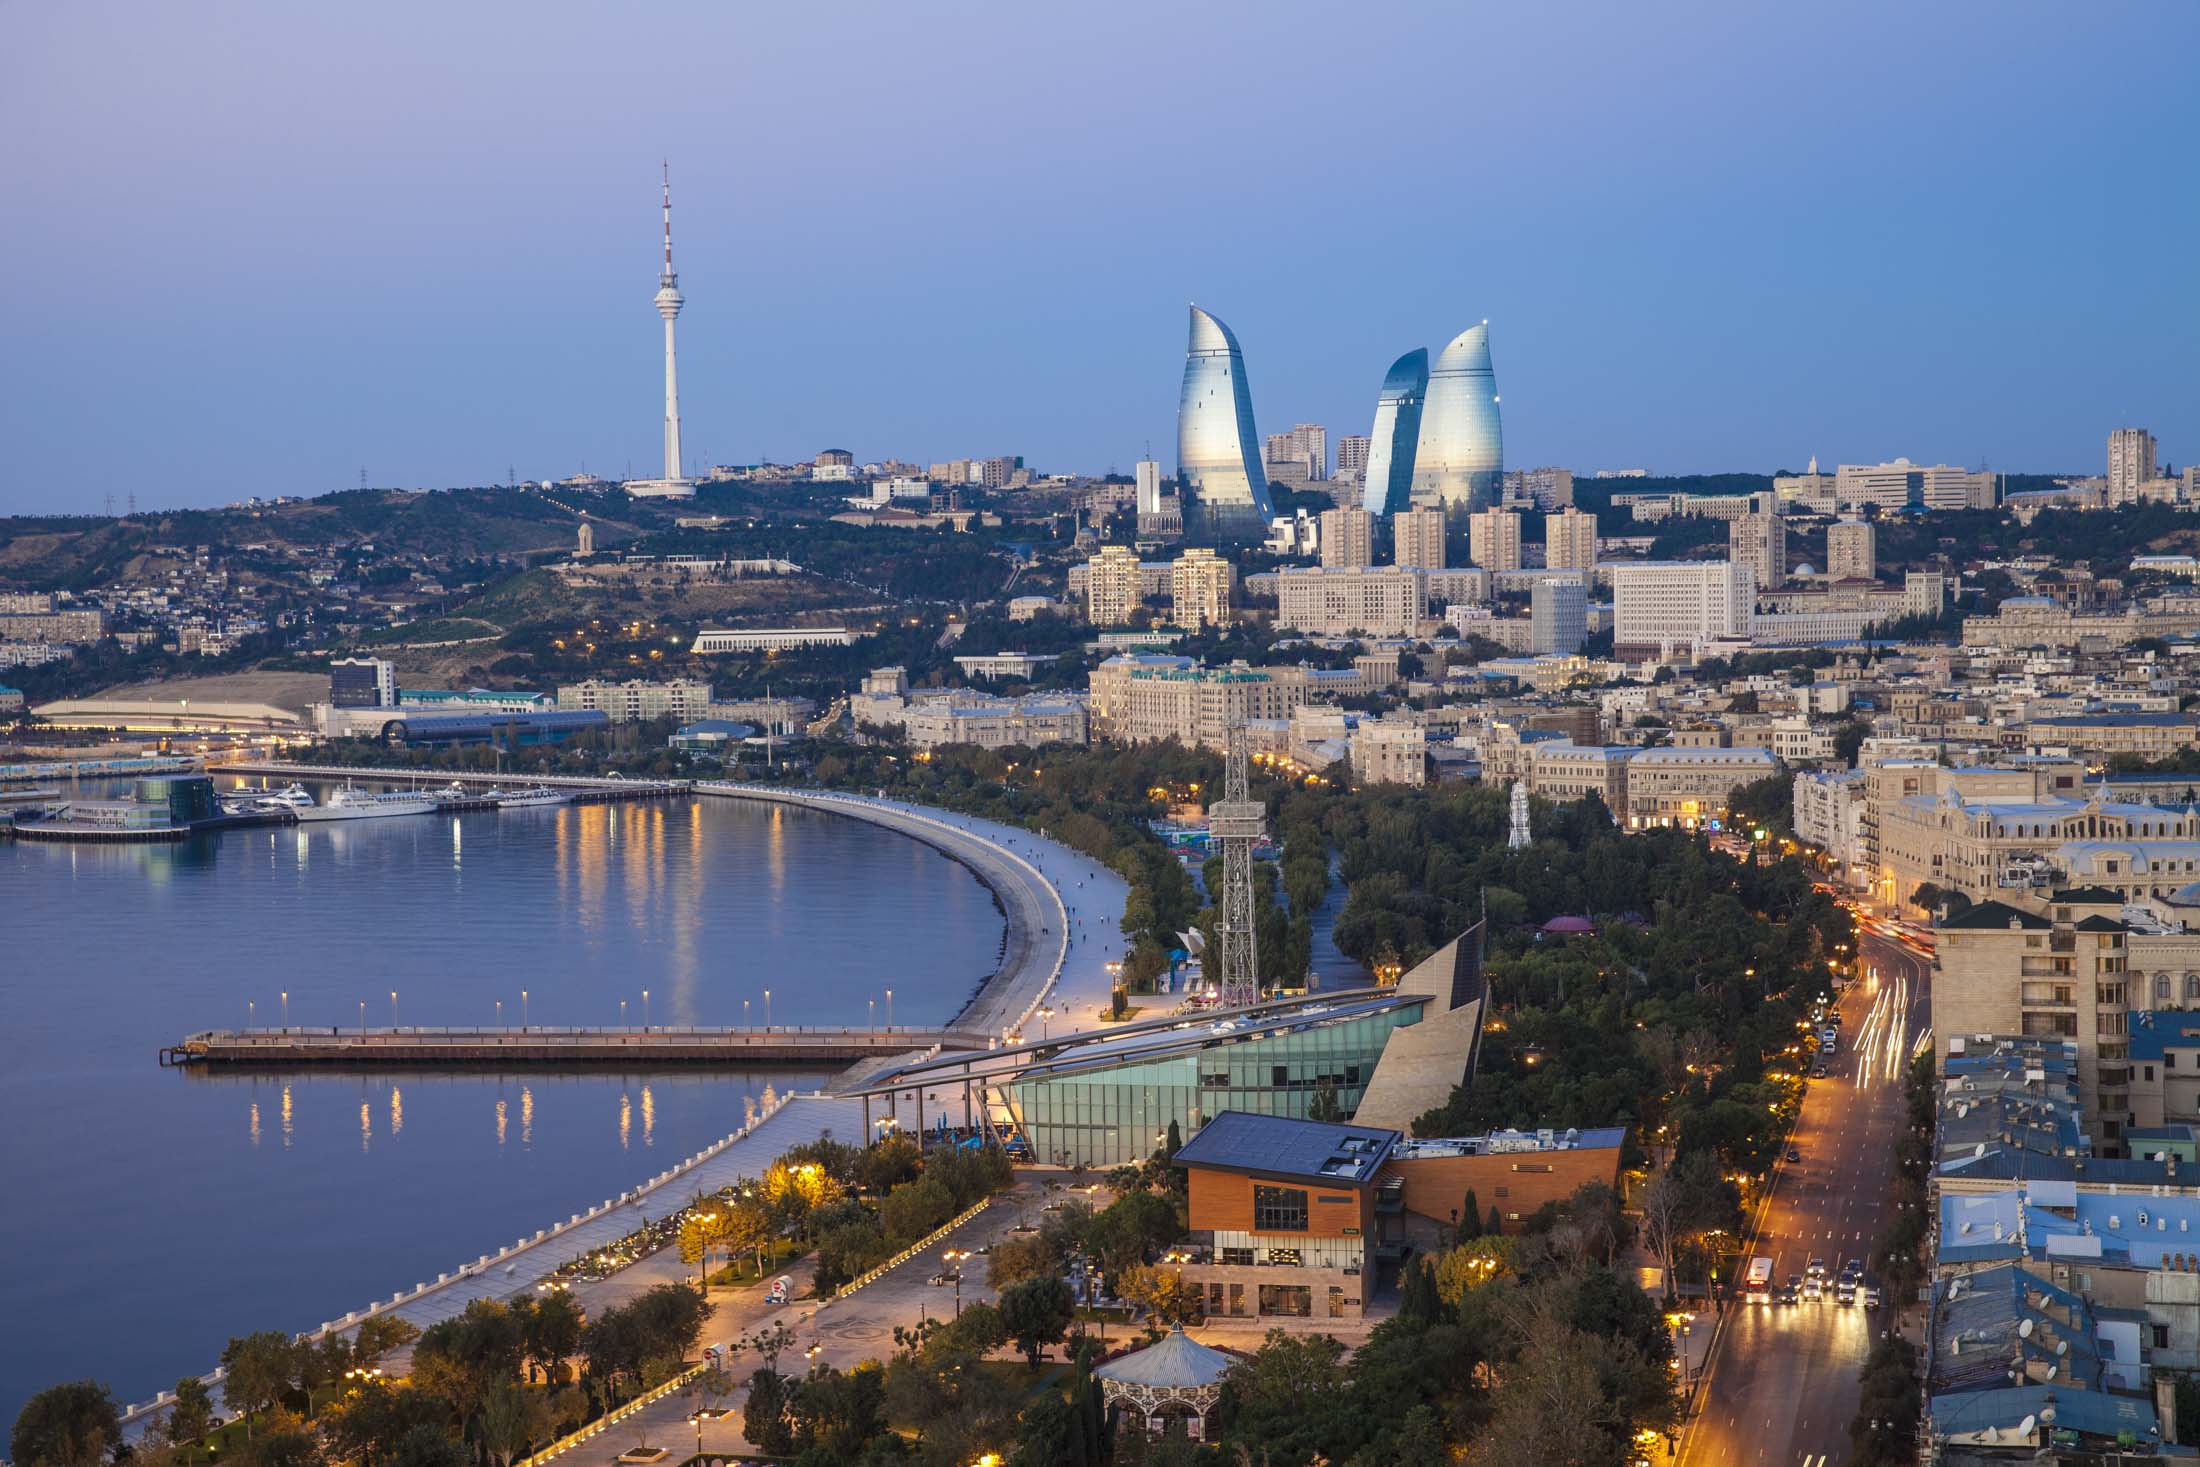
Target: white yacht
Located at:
point(529, 799)
point(357, 804)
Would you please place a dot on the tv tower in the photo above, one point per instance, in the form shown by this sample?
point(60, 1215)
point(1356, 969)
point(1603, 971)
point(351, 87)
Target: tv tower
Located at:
point(1237, 821)
point(669, 300)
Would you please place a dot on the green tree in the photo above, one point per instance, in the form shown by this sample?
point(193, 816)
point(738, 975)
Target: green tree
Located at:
point(764, 1415)
point(260, 1369)
point(512, 1419)
point(73, 1425)
point(706, 1230)
point(550, 1332)
point(914, 1209)
point(192, 1416)
point(1036, 1313)
point(380, 1334)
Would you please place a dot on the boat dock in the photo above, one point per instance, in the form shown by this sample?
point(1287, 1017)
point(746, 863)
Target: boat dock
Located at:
point(584, 789)
point(506, 1048)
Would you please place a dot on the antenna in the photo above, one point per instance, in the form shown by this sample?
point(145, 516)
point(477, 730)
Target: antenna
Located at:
point(669, 276)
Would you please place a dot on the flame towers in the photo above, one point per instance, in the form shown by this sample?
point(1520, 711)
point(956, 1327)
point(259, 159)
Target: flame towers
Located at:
point(1459, 464)
point(1218, 460)
point(1397, 431)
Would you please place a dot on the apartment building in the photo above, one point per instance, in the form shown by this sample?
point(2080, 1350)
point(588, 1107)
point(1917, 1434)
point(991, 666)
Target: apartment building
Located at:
point(1852, 551)
point(1570, 540)
point(1561, 770)
point(994, 723)
point(1200, 582)
point(1347, 538)
point(1759, 541)
point(1417, 538)
point(636, 701)
point(1829, 814)
point(1375, 601)
point(1387, 752)
point(1112, 586)
point(1493, 539)
point(60, 628)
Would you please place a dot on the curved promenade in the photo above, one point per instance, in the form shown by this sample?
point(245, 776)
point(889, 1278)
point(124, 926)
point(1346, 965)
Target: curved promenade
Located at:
point(1064, 913)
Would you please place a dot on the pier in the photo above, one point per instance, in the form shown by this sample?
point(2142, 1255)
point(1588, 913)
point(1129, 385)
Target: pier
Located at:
point(585, 789)
point(523, 1046)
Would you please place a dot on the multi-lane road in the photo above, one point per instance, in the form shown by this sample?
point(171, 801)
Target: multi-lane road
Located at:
point(1783, 1380)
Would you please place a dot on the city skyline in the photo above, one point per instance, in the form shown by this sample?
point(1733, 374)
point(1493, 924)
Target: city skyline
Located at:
point(279, 309)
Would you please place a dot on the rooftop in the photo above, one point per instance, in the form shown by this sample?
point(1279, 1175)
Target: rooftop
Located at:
point(1277, 1146)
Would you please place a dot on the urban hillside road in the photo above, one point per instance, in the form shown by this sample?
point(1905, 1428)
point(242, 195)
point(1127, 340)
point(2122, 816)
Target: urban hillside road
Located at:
point(1784, 1379)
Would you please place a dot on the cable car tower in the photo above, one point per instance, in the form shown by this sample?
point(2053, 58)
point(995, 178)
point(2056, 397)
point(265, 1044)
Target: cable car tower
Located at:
point(1238, 822)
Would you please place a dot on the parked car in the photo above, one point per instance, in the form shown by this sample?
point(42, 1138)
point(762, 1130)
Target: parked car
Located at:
point(1794, 1155)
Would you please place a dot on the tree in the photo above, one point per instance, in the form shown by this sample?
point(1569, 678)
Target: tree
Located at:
point(1470, 1218)
point(706, 1230)
point(764, 1415)
point(914, 1209)
point(550, 1332)
point(285, 1441)
point(193, 1414)
point(260, 1368)
point(1323, 1107)
point(1160, 1291)
point(1036, 1314)
point(378, 1335)
point(73, 1425)
point(426, 1445)
point(512, 1419)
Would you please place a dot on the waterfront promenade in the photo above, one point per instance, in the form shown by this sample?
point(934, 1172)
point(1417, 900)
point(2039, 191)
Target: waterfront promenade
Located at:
point(1072, 904)
point(535, 1048)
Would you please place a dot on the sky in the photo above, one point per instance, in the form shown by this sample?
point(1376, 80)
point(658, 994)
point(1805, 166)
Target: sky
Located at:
point(255, 249)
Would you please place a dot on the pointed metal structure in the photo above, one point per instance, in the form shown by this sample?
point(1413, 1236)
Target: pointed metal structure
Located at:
point(1237, 821)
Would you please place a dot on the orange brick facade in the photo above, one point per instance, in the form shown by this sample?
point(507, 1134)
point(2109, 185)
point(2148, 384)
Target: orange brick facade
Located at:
point(1515, 1183)
point(1223, 1202)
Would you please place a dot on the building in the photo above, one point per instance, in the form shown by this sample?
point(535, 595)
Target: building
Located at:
point(1558, 616)
point(1901, 484)
point(1759, 541)
point(1374, 601)
point(1493, 539)
point(1550, 488)
point(1690, 787)
point(2130, 463)
point(1352, 457)
point(59, 628)
point(994, 723)
point(1387, 476)
point(1563, 770)
point(1282, 1216)
point(1384, 752)
point(1200, 583)
point(1829, 814)
point(1300, 456)
point(362, 682)
point(770, 639)
point(1022, 666)
point(502, 730)
point(1143, 698)
point(1852, 551)
point(1347, 538)
point(25, 603)
point(1112, 586)
point(1570, 540)
point(637, 702)
point(1218, 465)
point(1663, 607)
point(668, 300)
point(1417, 538)
point(1459, 462)
point(1149, 486)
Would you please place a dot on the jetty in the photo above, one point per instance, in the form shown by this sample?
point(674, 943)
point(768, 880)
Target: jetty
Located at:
point(525, 1046)
point(584, 789)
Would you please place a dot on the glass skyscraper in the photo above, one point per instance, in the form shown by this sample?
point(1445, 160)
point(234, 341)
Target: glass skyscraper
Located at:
point(1218, 460)
point(1459, 463)
point(1389, 484)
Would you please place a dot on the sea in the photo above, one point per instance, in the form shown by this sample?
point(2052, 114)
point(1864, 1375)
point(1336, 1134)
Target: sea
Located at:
point(153, 1213)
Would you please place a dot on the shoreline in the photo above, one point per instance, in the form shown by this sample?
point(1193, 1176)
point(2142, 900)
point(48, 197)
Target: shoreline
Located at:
point(1033, 967)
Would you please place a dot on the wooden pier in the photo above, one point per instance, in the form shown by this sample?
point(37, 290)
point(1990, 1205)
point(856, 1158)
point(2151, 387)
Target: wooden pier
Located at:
point(535, 1047)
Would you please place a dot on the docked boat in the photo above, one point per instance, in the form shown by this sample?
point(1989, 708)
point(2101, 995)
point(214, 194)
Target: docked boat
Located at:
point(529, 799)
point(357, 804)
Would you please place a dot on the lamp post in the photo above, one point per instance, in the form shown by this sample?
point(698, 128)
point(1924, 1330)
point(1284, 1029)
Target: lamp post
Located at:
point(1046, 1012)
point(622, 1013)
point(362, 1017)
point(393, 1008)
point(767, 1010)
point(871, 1013)
point(889, 1008)
point(500, 1013)
point(286, 1009)
point(645, 1011)
point(523, 1011)
point(953, 1258)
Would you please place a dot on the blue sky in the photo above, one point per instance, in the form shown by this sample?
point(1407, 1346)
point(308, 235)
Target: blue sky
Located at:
point(251, 249)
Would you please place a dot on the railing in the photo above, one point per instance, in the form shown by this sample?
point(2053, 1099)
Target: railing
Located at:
point(612, 1418)
point(937, 1235)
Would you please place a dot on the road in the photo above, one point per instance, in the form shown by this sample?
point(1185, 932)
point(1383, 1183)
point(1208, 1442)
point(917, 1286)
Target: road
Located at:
point(1783, 1381)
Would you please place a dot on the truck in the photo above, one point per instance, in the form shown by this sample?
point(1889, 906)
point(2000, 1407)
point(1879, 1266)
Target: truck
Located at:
point(1757, 1287)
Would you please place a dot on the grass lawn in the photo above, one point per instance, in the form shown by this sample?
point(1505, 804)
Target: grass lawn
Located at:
point(743, 1270)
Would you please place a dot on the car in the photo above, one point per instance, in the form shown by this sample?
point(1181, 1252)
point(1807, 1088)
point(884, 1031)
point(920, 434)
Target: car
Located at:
point(1869, 1295)
point(1845, 1292)
point(1794, 1155)
point(708, 1413)
point(1787, 1294)
point(942, 1280)
point(1818, 1072)
point(1814, 1288)
point(1853, 1268)
point(1816, 1268)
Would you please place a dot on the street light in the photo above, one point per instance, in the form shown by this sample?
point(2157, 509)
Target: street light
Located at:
point(1046, 1012)
point(393, 1008)
point(286, 1009)
point(767, 1010)
point(889, 1008)
point(362, 1016)
point(523, 1011)
point(645, 1011)
point(954, 1261)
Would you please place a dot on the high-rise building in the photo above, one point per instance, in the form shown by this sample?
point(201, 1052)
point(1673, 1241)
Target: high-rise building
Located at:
point(1459, 462)
point(1149, 486)
point(1417, 538)
point(1570, 540)
point(2130, 463)
point(669, 300)
point(1852, 551)
point(362, 682)
point(1558, 616)
point(1387, 484)
point(1661, 605)
point(1347, 538)
point(1550, 488)
point(1111, 586)
point(1218, 466)
point(1493, 539)
point(1759, 541)
point(1352, 456)
point(1199, 589)
point(1300, 456)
